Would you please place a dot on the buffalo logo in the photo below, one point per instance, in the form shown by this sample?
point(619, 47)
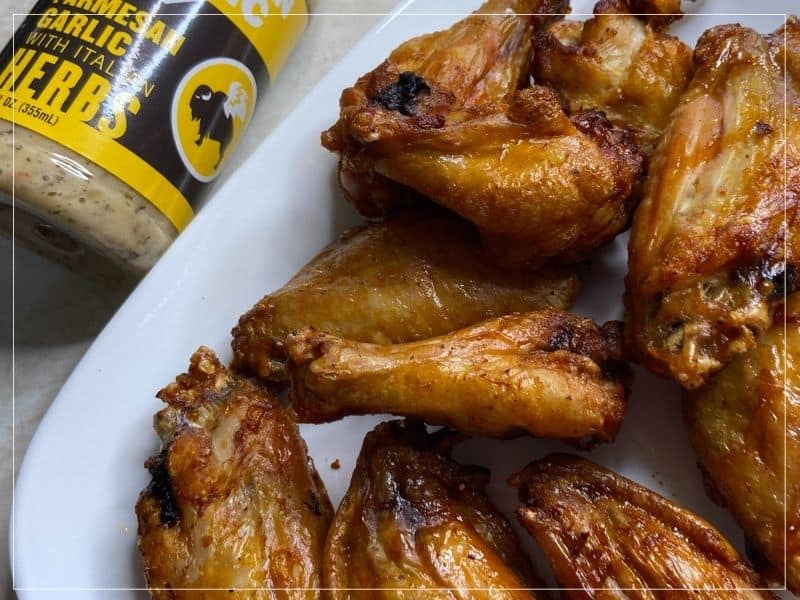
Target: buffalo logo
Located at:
point(206, 106)
point(211, 108)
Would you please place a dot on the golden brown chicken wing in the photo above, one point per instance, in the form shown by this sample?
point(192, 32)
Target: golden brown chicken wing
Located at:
point(601, 531)
point(548, 373)
point(445, 117)
point(706, 256)
point(658, 13)
point(414, 519)
point(235, 502)
point(413, 277)
point(745, 427)
point(623, 65)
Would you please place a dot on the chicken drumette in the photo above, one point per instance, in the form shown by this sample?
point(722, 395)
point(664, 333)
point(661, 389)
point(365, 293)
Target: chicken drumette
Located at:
point(415, 520)
point(412, 277)
point(708, 253)
point(451, 116)
point(234, 502)
point(608, 537)
point(744, 425)
point(547, 373)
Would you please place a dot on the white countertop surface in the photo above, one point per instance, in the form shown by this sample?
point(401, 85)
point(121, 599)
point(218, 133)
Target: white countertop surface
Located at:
point(57, 314)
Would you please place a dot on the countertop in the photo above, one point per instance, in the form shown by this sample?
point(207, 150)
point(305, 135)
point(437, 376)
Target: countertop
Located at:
point(57, 314)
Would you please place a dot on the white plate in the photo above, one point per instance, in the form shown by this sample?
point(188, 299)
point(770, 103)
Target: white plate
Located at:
point(74, 526)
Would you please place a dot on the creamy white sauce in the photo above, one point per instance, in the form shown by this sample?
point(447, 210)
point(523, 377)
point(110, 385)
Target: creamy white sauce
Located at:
point(74, 196)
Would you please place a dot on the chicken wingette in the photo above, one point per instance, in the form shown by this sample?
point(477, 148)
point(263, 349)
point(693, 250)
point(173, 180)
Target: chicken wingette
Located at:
point(416, 524)
point(744, 425)
point(547, 373)
point(234, 502)
point(450, 116)
point(624, 65)
point(413, 277)
point(708, 253)
point(608, 537)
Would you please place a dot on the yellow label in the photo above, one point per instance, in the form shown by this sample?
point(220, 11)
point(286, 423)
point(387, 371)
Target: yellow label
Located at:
point(113, 157)
point(156, 97)
point(270, 25)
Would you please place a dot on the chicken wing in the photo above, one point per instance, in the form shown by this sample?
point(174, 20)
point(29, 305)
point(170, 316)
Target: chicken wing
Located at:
point(658, 13)
point(234, 501)
point(626, 66)
point(744, 425)
point(410, 278)
point(445, 117)
point(547, 373)
point(601, 531)
point(708, 251)
point(414, 519)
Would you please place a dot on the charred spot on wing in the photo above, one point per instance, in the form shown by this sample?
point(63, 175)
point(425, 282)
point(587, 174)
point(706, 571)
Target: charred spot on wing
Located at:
point(595, 124)
point(160, 489)
point(560, 339)
point(784, 282)
point(748, 274)
point(782, 277)
point(402, 95)
point(430, 121)
point(592, 122)
point(762, 128)
point(314, 505)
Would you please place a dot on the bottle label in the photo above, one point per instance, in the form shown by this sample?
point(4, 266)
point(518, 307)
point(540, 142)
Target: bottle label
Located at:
point(155, 92)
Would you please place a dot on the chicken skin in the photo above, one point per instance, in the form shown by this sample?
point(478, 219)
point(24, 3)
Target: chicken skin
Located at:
point(414, 519)
point(413, 277)
point(708, 253)
point(234, 502)
point(623, 65)
point(547, 373)
point(450, 116)
point(603, 534)
point(744, 425)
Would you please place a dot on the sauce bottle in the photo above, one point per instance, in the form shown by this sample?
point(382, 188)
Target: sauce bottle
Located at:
point(115, 115)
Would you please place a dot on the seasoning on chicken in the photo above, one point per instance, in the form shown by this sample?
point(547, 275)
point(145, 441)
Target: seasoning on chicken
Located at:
point(707, 253)
point(234, 501)
point(413, 277)
point(608, 537)
point(415, 523)
point(744, 425)
point(547, 373)
point(450, 116)
point(625, 65)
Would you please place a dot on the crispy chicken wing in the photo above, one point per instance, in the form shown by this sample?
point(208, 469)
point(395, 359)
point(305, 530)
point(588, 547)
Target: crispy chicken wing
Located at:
point(413, 277)
point(234, 501)
point(602, 531)
point(745, 426)
point(623, 65)
point(413, 518)
point(706, 254)
point(547, 373)
point(445, 117)
point(658, 13)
